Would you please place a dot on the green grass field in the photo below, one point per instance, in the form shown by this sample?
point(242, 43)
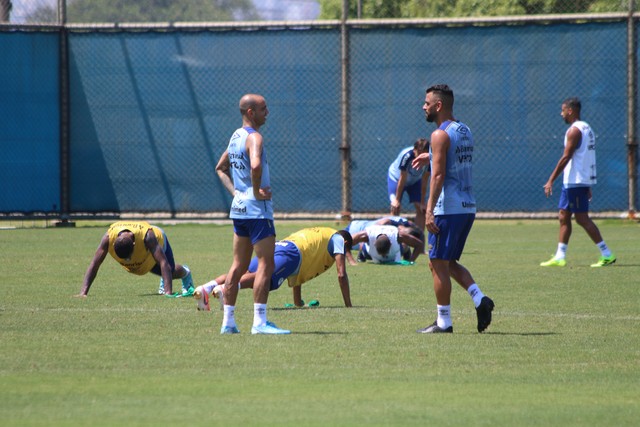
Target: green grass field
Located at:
point(563, 349)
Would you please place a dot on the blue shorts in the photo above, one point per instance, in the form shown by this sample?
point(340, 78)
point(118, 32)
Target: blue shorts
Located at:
point(414, 190)
point(449, 242)
point(169, 254)
point(574, 199)
point(256, 229)
point(287, 261)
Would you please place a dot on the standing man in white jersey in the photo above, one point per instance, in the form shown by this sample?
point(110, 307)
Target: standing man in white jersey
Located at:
point(244, 171)
point(578, 162)
point(451, 209)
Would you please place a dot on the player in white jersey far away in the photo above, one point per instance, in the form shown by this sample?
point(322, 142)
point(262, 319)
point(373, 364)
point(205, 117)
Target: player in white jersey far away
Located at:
point(578, 166)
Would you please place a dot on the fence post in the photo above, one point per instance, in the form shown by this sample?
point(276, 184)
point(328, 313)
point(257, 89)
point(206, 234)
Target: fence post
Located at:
point(632, 143)
point(5, 10)
point(63, 69)
point(345, 146)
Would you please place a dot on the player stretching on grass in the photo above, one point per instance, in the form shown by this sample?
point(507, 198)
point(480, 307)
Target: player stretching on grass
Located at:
point(140, 248)
point(578, 162)
point(389, 244)
point(298, 258)
point(451, 208)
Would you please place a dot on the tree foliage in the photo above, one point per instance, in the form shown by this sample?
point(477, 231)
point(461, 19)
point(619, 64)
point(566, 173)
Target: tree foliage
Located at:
point(151, 11)
point(371, 9)
point(239, 10)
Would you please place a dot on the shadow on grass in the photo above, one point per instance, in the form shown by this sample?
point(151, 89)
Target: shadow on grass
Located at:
point(523, 334)
point(318, 333)
point(323, 307)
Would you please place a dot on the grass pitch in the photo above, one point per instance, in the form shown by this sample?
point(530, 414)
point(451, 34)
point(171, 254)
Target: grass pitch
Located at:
point(563, 349)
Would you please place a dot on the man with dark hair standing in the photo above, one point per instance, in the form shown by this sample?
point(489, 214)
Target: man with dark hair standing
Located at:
point(578, 162)
point(451, 209)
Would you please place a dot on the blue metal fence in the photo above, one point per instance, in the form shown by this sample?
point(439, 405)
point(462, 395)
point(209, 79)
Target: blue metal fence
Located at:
point(29, 122)
point(151, 112)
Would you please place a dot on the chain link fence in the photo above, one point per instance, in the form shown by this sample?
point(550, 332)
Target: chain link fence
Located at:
point(152, 106)
point(148, 11)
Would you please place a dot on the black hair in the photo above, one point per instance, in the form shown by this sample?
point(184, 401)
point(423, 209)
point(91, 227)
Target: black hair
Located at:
point(383, 244)
point(416, 232)
point(123, 246)
point(348, 240)
point(442, 92)
point(573, 103)
point(421, 144)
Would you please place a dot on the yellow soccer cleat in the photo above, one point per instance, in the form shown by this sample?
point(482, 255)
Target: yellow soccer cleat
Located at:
point(605, 261)
point(554, 262)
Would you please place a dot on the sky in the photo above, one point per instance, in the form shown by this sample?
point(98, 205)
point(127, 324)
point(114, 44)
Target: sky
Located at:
point(21, 8)
point(288, 10)
point(271, 10)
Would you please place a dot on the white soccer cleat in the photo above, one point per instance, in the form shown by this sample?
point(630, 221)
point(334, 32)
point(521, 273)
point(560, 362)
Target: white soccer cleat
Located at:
point(218, 292)
point(202, 299)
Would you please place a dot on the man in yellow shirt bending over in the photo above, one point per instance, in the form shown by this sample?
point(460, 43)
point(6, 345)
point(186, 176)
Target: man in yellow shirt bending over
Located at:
point(140, 248)
point(298, 258)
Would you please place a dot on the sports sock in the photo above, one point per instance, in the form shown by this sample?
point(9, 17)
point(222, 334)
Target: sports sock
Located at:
point(476, 294)
point(444, 316)
point(187, 282)
point(259, 314)
point(229, 318)
point(561, 253)
point(208, 287)
point(187, 270)
point(604, 250)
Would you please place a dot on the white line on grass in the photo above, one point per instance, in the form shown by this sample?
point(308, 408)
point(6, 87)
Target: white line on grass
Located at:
point(417, 311)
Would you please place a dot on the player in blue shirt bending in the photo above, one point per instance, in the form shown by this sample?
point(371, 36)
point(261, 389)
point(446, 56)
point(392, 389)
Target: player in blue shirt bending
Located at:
point(402, 178)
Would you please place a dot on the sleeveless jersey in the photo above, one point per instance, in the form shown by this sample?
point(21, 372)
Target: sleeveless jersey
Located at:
point(581, 169)
point(141, 261)
point(457, 191)
point(403, 163)
point(358, 225)
point(313, 244)
point(394, 252)
point(245, 205)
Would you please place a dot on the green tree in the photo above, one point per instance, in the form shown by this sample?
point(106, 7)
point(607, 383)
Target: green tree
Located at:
point(332, 9)
point(151, 11)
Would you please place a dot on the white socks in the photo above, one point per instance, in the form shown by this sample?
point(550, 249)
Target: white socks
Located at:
point(476, 294)
point(208, 287)
point(561, 252)
point(259, 314)
point(604, 250)
point(444, 316)
point(211, 286)
point(229, 318)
